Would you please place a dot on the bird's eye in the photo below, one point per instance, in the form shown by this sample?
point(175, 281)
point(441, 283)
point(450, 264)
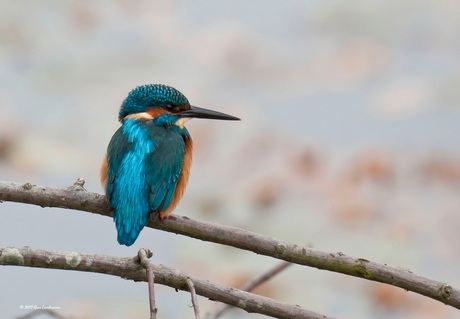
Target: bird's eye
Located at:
point(172, 108)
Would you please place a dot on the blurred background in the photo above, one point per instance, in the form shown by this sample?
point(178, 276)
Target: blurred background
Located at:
point(349, 142)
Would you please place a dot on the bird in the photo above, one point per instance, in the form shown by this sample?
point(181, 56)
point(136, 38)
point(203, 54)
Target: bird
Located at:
point(147, 164)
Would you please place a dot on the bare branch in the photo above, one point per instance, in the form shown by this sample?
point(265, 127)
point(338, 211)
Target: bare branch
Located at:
point(143, 256)
point(37, 312)
point(77, 198)
point(250, 286)
point(129, 268)
point(191, 288)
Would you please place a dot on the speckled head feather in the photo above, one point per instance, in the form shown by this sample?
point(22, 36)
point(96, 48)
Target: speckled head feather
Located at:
point(150, 95)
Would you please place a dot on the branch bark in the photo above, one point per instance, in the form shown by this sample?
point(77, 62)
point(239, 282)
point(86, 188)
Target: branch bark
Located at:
point(130, 268)
point(76, 197)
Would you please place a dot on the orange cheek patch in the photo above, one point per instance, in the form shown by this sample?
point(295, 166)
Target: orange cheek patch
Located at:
point(157, 111)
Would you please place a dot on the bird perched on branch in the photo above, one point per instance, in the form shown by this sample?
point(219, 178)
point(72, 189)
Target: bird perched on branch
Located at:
point(147, 165)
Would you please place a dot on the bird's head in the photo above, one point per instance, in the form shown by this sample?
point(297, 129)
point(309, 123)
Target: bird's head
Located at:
point(153, 100)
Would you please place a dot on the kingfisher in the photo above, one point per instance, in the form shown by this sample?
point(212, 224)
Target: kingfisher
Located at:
point(147, 164)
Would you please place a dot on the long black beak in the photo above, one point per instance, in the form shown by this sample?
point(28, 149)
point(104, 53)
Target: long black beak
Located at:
point(200, 113)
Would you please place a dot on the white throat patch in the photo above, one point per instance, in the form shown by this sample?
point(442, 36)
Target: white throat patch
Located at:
point(181, 122)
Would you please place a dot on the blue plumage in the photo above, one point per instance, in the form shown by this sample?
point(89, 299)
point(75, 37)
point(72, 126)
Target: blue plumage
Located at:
point(171, 152)
point(128, 191)
point(148, 158)
point(143, 178)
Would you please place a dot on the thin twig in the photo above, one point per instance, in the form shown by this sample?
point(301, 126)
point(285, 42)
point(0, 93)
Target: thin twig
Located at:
point(266, 276)
point(129, 268)
point(144, 255)
point(79, 199)
point(191, 288)
point(250, 286)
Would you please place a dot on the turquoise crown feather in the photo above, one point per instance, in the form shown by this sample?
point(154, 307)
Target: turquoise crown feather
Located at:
point(150, 95)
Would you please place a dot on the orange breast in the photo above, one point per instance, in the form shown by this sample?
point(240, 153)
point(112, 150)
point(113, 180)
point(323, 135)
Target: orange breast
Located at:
point(103, 172)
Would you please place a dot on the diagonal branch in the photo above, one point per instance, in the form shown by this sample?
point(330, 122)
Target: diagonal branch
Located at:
point(250, 286)
point(76, 197)
point(130, 268)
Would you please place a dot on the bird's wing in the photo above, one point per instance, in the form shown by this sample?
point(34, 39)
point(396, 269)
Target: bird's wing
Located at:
point(126, 187)
point(163, 170)
point(116, 152)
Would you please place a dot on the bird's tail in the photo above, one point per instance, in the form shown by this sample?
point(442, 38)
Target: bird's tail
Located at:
point(129, 226)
